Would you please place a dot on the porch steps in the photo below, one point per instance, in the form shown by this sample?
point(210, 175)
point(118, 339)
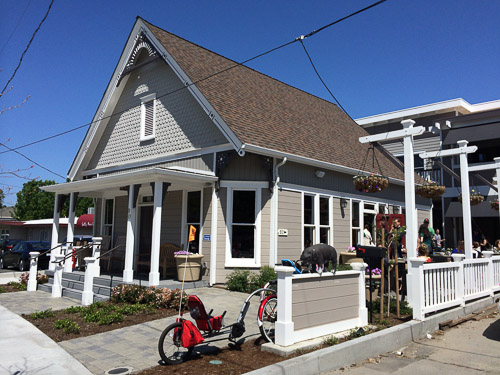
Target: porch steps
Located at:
point(72, 285)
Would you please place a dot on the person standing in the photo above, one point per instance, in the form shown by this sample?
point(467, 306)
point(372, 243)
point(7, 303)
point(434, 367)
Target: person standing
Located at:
point(367, 236)
point(438, 239)
point(425, 234)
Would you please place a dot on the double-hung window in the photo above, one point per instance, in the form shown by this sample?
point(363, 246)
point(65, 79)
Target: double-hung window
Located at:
point(355, 223)
point(324, 220)
point(243, 230)
point(148, 117)
point(193, 217)
point(309, 221)
point(107, 229)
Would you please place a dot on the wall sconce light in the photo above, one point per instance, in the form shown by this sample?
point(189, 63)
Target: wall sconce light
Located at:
point(320, 174)
point(343, 203)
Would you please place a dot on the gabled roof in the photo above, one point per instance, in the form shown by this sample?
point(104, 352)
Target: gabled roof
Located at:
point(264, 112)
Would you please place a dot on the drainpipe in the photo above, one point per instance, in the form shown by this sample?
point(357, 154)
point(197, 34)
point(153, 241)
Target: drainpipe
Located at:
point(273, 256)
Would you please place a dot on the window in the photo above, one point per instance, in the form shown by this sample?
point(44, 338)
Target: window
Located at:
point(243, 223)
point(193, 216)
point(324, 220)
point(107, 228)
point(309, 225)
point(355, 224)
point(148, 117)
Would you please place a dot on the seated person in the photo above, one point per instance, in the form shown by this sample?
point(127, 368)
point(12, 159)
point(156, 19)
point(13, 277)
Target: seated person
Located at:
point(423, 252)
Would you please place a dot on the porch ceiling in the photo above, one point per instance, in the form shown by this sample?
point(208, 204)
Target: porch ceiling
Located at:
point(97, 186)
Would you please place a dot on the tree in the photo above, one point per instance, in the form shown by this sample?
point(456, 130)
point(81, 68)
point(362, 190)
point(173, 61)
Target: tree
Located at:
point(2, 197)
point(34, 203)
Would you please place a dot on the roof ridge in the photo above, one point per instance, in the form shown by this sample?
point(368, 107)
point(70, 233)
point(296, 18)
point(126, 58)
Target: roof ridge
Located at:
point(240, 64)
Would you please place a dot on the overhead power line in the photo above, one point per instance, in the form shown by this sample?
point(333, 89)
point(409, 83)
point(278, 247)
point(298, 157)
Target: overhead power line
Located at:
point(213, 75)
point(27, 47)
point(15, 28)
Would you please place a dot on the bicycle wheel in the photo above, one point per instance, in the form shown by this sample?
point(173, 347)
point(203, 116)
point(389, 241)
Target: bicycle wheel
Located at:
point(170, 347)
point(268, 313)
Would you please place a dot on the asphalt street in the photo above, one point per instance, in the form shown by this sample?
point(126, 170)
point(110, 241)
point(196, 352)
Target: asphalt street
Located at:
point(470, 348)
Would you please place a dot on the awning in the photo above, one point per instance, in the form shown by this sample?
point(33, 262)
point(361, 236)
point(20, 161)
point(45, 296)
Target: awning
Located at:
point(481, 210)
point(85, 221)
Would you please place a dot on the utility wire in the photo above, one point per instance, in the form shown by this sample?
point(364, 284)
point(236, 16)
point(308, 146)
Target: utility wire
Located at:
point(27, 47)
point(34, 162)
point(321, 79)
point(210, 76)
point(15, 28)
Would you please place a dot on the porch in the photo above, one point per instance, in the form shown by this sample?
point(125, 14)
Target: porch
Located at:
point(141, 219)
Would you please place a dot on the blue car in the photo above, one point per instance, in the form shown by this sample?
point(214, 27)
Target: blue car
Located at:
point(19, 255)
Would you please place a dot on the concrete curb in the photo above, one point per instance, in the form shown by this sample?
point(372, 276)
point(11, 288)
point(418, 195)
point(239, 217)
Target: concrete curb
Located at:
point(387, 340)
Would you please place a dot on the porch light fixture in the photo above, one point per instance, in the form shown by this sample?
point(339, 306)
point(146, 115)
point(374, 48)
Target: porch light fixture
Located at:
point(320, 174)
point(343, 203)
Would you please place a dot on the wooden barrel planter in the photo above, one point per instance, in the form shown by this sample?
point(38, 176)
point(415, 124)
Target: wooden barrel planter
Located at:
point(370, 183)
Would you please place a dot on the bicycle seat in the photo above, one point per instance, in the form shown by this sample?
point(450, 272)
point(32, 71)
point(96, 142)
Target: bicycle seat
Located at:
point(204, 322)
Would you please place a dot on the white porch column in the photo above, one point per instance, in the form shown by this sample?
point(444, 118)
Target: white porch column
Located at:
point(154, 274)
point(55, 234)
point(213, 237)
point(411, 210)
point(497, 162)
point(284, 326)
point(33, 271)
point(464, 180)
point(128, 272)
point(68, 265)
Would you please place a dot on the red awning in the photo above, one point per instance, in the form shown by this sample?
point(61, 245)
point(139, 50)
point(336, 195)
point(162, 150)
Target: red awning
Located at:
point(85, 221)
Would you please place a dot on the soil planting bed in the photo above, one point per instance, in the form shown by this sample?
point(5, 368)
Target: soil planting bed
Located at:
point(9, 288)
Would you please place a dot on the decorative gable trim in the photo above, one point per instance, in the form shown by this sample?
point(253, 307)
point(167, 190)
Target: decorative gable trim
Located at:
point(143, 39)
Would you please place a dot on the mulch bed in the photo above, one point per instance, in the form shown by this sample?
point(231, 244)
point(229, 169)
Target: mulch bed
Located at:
point(9, 288)
point(46, 325)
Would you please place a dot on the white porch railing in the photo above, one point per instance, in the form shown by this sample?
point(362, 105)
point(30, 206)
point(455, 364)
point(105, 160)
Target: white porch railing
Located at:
point(438, 286)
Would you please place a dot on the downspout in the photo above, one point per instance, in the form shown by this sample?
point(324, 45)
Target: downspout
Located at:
point(273, 256)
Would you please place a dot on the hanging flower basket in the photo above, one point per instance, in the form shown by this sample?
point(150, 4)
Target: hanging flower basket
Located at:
point(475, 198)
point(370, 184)
point(430, 189)
point(494, 205)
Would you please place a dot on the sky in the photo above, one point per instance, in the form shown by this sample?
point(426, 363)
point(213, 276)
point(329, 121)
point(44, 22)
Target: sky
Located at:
point(400, 54)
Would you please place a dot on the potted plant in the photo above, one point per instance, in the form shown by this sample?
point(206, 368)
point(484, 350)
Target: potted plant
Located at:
point(188, 265)
point(494, 205)
point(430, 189)
point(372, 183)
point(475, 198)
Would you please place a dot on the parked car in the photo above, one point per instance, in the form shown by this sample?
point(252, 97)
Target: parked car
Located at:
point(19, 255)
point(7, 244)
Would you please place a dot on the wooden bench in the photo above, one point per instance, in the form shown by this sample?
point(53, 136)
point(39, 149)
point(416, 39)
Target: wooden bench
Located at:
point(167, 260)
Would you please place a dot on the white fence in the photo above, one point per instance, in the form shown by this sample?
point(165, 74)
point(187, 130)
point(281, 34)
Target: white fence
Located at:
point(438, 286)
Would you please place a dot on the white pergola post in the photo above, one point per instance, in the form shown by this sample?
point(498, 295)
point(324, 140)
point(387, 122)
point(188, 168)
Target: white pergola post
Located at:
point(462, 150)
point(55, 234)
point(68, 265)
point(154, 274)
point(128, 272)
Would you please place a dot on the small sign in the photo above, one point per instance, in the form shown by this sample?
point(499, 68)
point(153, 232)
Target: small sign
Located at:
point(206, 237)
point(283, 232)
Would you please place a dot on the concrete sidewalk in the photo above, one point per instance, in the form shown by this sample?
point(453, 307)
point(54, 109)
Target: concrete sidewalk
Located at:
point(26, 350)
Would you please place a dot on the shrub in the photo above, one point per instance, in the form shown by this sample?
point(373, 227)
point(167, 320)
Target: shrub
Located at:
point(67, 325)
point(2, 290)
point(18, 286)
point(344, 267)
point(246, 281)
point(157, 297)
point(42, 314)
point(331, 340)
point(238, 280)
point(356, 332)
point(74, 309)
point(40, 278)
point(110, 318)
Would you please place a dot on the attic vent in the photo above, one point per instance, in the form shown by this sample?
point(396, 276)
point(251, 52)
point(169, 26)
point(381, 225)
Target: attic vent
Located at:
point(148, 117)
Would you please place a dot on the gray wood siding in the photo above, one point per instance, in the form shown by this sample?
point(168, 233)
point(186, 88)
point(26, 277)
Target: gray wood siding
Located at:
point(422, 215)
point(341, 226)
point(326, 300)
point(290, 217)
point(265, 227)
point(121, 214)
point(203, 163)
point(247, 168)
point(181, 124)
point(303, 175)
point(171, 219)
point(207, 229)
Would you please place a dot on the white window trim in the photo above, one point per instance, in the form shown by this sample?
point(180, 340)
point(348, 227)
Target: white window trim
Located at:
point(144, 100)
point(243, 262)
point(184, 230)
point(316, 211)
point(330, 218)
point(359, 221)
